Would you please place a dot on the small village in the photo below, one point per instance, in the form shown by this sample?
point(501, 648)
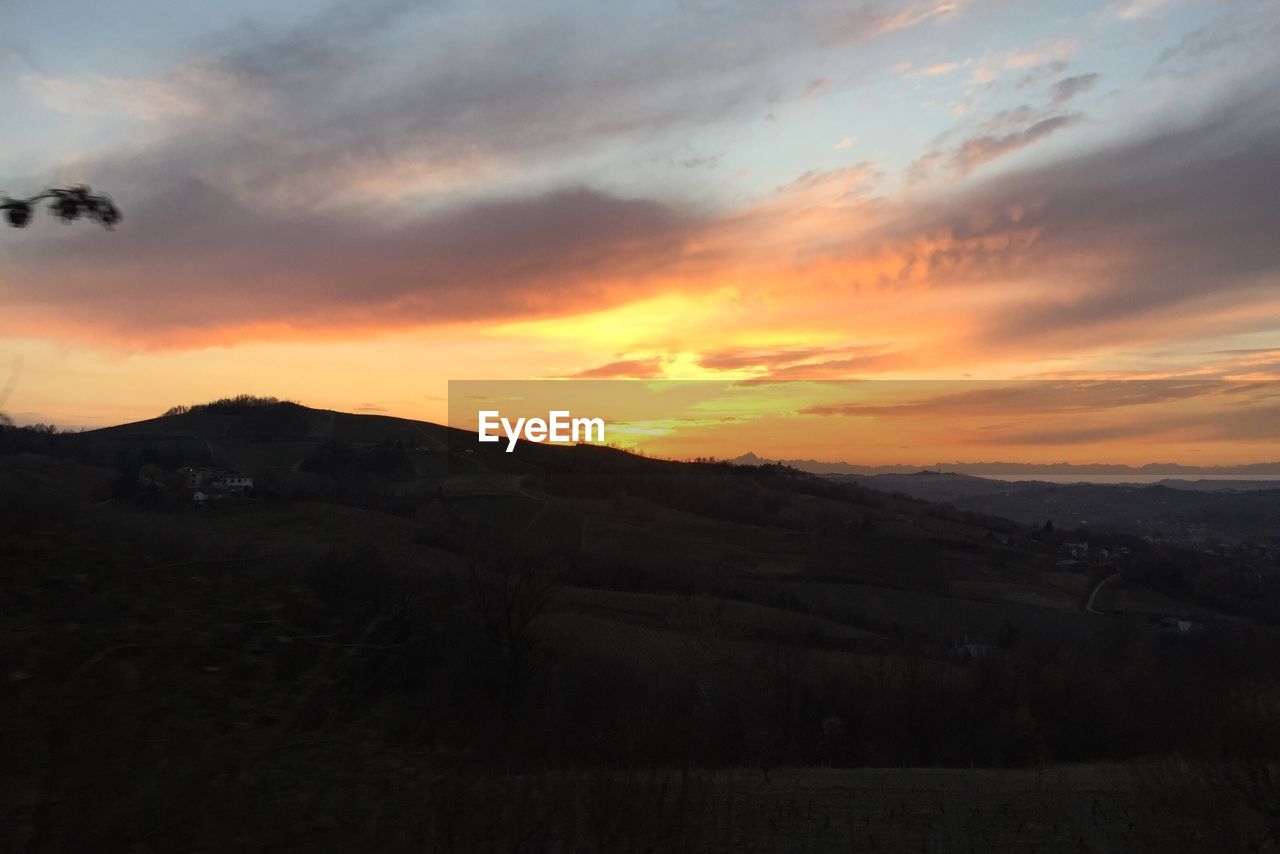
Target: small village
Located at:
point(205, 485)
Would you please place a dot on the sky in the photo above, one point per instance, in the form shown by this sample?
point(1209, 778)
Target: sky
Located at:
point(350, 204)
point(1196, 423)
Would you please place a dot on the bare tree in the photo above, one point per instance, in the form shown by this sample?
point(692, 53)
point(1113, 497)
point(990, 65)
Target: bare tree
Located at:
point(510, 592)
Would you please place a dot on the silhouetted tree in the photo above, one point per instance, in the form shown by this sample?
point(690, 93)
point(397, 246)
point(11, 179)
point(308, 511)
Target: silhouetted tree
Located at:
point(510, 592)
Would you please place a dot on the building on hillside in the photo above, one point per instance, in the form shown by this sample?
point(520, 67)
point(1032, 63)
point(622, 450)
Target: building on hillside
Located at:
point(210, 484)
point(1079, 551)
point(194, 478)
point(233, 483)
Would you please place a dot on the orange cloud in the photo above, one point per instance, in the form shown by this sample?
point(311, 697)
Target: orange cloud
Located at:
point(1018, 270)
point(650, 368)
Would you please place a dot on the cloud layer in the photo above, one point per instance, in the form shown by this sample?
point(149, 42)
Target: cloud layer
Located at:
point(336, 179)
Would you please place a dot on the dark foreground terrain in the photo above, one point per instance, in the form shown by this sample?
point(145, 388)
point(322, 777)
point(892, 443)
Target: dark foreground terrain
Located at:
point(400, 641)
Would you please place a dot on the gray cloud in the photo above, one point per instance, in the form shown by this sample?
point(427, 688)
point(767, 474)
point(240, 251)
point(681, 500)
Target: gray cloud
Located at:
point(1039, 74)
point(1069, 87)
point(365, 89)
point(978, 150)
point(1183, 213)
point(963, 149)
point(195, 260)
point(247, 208)
point(1242, 35)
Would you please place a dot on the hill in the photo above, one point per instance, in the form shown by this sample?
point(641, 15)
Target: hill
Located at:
point(398, 614)
point(1032, 470)
point(1200, 514)
point(973, 543)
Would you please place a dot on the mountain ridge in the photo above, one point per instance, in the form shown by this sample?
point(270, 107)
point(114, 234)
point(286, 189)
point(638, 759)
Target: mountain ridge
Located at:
point(978, 469)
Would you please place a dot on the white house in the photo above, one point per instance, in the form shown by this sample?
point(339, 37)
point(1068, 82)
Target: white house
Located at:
point(234, 483)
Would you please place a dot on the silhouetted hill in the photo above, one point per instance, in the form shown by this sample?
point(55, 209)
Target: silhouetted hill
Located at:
point(1031, 470)
point(395, 605)
point(966, 538)
point(1191, 513)
point(401, 467)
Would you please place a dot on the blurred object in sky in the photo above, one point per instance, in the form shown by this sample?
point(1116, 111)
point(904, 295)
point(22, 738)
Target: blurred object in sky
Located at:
point(67, 204)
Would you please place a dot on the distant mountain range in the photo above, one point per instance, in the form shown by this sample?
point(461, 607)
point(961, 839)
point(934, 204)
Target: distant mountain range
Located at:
point(979, 469)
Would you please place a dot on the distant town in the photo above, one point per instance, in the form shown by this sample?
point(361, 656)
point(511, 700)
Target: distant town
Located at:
point(211, 484)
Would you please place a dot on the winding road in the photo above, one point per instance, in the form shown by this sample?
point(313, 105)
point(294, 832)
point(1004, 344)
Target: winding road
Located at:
point(1097, 588)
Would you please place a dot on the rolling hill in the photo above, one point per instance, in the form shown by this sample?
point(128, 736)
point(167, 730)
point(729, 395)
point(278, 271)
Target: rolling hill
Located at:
point(397, 606)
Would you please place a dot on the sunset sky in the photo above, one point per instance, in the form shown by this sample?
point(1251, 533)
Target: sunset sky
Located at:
point(351, 204)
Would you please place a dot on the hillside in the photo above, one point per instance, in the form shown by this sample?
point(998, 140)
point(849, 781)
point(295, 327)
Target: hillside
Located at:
point(1195, 513)
point(401, 466)
point(397, 607)
point(700, 524)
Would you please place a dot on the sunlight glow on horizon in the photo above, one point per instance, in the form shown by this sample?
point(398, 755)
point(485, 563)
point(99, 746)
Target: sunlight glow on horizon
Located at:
point(919, 191)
